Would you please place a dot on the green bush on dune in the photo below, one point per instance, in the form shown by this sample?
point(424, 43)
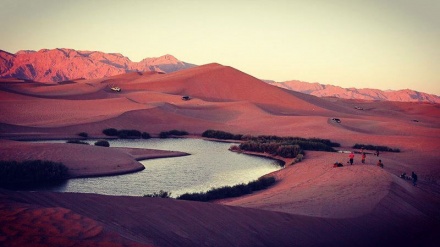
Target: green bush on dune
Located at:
point(146, 135)
point(31, 171)
point(287, 147)
point(160, 194)
point(83, 134)
point(229, 191)
point(126, 133)
point(218, 134)
point(129, 134)
point(375, 148)
point(102, 143)
point(110, 132)
point(166, 134)
point(77, 142)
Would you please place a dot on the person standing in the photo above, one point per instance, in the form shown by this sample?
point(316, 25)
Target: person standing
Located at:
point(363, 157)
point(414, 178)
point(351, 157)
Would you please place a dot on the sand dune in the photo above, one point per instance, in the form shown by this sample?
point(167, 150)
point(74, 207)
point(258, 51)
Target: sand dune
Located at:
point(83, 160)
point(312, 204)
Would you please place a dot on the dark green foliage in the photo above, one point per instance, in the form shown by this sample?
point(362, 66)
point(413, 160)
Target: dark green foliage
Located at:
point(273, 148)
point(129, 134)
point(166, 134)
point(272, 144)
point(32, 171)
point(218, 134)
point(288, 151)
point(161, 194)
point(110, 132)
point(145, 135)
point(229, 191)
point(315, 144)
point(77, 142)
point(83, 134)
point(126, 134)
point(287, 147)
point(102, 143)
point(380, 148)
point(324, 141)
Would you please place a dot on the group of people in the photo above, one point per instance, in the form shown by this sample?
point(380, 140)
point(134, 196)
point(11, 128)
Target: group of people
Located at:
point(379, 164)
point(363, 157)
point(413, 177)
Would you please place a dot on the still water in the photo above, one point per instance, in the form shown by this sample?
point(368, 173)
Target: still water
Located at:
point(210, 165)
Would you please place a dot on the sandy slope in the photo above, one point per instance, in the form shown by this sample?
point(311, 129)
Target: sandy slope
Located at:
point(83, 160)
point(163, 222)
point(312, 204)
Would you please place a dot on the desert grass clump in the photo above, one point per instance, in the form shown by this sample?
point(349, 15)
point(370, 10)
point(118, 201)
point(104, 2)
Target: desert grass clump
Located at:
point(32, 171)
point(376, 148)
point(110, 132)
point(77, 142)
point(126, 133)
point(229, 191)
point(83, 134)
point(145, 135)
point(102, 143)
point(166, 134)
point(218, 134)
point(273, 148)
point(160, 194)
point(129, 134)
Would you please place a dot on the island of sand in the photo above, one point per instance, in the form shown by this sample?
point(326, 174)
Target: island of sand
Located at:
point(311, 204)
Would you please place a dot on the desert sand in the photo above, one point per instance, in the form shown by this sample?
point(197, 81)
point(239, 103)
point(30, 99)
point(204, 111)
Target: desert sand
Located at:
point(312, 203)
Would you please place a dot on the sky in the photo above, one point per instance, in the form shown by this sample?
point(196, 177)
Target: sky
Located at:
point(392, 44)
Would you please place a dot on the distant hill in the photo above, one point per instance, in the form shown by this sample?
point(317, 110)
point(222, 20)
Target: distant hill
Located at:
point(65, 64)
point(321, 90)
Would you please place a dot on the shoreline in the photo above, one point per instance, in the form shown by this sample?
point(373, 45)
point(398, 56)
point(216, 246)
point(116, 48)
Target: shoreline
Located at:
point(118, 168)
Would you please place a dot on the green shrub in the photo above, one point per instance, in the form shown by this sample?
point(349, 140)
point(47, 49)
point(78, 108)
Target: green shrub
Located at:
point(285, 151)
point(166, 134)
point(102, 143)
point(271, 144)
point(83, 134)
point(32, 171)
point(218, 134)
point(77, 142)
point(229, 191)
point(145, 135)
point(129, 134)
point(379, 148)
point(161, 194)
point(110, 132)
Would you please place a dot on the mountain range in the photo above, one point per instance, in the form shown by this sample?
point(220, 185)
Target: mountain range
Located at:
point(67, 64)
point(321, 90)
point(61, 64)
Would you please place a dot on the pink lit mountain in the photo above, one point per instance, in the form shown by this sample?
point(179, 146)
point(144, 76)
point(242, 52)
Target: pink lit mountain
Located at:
point(67, 64)
point(321, 90)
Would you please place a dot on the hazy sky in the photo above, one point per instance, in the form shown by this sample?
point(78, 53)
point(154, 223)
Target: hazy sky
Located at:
point(385, 44)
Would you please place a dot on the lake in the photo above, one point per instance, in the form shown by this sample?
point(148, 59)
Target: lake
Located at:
point(210, 165)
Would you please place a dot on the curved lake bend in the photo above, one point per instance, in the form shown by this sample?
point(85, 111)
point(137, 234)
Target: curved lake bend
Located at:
point(210, 165)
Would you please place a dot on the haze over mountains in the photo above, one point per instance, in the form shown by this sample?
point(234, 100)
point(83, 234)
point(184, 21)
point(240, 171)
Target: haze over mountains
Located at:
point(68, 64)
